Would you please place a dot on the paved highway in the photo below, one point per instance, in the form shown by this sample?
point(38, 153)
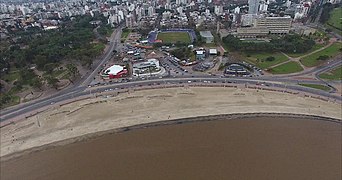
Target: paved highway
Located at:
point(166, 82)
point(81, 88)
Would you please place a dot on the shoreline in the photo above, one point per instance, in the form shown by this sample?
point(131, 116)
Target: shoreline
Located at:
point(139, 108)
point(188, 120)
point(83, 97)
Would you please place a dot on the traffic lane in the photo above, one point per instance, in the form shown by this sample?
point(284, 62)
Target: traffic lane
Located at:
point(106, 56)
point(217, 80)
point(42, 103)
point(159, 82)
point(25, 105)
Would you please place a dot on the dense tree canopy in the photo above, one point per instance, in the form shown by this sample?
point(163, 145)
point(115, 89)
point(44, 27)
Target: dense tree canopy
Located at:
point(289, 43)
point(71, 41)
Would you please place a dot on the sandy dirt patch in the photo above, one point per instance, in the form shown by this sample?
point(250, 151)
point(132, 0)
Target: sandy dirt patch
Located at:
point(101, 114)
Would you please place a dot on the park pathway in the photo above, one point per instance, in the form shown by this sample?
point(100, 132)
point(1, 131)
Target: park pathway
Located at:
point(297, 59)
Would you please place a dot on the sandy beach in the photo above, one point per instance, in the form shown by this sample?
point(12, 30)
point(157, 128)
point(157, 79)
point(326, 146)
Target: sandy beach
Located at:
point(101, 114)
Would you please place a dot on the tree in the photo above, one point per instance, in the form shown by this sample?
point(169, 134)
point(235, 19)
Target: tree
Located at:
point(323, 57)
point(52, 81)
point(72, 69)
point(40, 61)
point(49, 67)
point(270, 58)
point(37, 83)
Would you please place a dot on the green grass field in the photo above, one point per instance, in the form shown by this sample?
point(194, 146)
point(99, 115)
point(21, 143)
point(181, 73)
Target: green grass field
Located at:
point(125, 33)
point(259, 59)
point(287, 68)
point(316, 86)
point(174, 37)
point(335, 74)
point(314, 48)
point(335, 20)
point(331, 51)
point(11, 76)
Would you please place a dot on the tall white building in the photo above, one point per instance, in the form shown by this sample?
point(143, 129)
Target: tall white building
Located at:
point(129, 21)
point(237, 10)
point(150, 11)
point(263, 6)
point(218, 10)
point(180, 10)
point(253, 6)
point(121, 14)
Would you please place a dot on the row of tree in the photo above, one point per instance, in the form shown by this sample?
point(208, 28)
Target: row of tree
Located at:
point(291, 43)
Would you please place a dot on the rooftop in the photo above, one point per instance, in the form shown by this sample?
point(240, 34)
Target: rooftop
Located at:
point(115, 69)
point(206, 34)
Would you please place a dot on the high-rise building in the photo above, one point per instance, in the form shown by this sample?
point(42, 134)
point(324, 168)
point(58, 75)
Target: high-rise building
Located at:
point(129, 21)
point(263, 6)
point(237, 10)
point(253, 6)
point(218, 10)
point(248, 19)
point(150, 11)
point(276, 25)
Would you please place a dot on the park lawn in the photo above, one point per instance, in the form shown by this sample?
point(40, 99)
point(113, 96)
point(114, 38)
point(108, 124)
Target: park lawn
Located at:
point(314, 48)
point(287, 68)
point(331, 51)
point(174, 37)
point(317, 86)
point(335, 74)
point(259, 59)
point(335, 20)
point(11, 76)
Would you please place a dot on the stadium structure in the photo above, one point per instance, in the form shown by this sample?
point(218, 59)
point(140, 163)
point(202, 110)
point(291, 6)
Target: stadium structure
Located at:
point(152, 36)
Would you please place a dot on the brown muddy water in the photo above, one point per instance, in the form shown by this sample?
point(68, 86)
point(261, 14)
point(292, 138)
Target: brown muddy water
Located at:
point(256, 148)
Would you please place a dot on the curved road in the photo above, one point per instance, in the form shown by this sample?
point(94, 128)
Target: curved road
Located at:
point(81, 88)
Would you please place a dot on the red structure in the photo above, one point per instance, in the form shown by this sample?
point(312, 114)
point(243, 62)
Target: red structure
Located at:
point(118, 75)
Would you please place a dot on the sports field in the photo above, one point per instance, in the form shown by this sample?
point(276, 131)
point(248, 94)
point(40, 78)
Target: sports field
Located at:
point(174, 37)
